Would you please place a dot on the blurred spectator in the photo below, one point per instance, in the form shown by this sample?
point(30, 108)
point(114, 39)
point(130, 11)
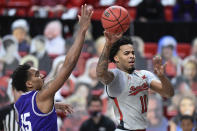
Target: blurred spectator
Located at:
point(20, 29)
point(55, 44)
point(88, 51)
point(78, 100)
point(134, 3)
point(185, 10)
point(168, 2)
point(42, 7)
point(188, 79)
point(150, 10)
point(10, 55)
point(68, 87)
point(187, 123)
point(155, 115)
point(106, 2)
point(97, 121)
point(167, 50)
point(193, 55)
point(89, 77)
point(187, 106)
point(4, 99)
point(38, 49)
point(31, 60)
point(141, 62)
point(99, 45)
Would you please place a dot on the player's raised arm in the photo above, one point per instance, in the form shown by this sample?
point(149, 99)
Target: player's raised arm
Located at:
point(103, 74)
point(46, 95)
point(164, 87)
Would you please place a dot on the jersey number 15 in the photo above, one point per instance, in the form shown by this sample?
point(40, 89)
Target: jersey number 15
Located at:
point(26, 125)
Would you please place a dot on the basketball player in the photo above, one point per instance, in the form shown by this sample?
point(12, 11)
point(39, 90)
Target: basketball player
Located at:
point(36, 107)
point(129, 87)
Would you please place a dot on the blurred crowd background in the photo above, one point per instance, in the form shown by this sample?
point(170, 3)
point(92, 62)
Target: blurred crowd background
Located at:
point(40, 32)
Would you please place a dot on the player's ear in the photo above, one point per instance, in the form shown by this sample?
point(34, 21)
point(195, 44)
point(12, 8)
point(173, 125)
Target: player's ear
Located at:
point(116, 59)
point(29, 84)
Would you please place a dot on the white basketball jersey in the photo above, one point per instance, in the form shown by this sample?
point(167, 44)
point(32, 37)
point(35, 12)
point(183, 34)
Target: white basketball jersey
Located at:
point(130, 95)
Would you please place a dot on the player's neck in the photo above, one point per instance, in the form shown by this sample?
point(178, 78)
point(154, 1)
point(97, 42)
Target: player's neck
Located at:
point(130, 71)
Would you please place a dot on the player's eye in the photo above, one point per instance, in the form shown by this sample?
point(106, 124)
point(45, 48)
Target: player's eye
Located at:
point(126, 53)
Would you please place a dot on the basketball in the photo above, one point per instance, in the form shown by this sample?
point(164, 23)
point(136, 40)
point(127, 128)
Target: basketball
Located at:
point(115, 19)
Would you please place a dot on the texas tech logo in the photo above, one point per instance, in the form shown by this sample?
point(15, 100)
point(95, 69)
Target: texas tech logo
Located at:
point(135, 90)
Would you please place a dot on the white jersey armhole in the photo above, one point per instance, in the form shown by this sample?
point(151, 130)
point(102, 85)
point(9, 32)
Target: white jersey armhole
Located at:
point(33, 108)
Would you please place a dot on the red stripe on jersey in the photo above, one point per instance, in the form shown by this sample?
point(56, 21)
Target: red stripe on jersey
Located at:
point(117, 105)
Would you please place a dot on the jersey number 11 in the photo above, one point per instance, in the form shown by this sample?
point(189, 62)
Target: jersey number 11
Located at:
point(144, 101)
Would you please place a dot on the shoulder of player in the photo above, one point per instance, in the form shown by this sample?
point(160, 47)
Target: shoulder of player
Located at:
point(25, 96)
point(142, 72)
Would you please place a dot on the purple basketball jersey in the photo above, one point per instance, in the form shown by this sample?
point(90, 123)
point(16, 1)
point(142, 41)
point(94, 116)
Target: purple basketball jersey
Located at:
point(30, 118)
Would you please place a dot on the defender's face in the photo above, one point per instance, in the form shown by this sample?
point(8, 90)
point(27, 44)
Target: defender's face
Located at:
point(36, 80)
point(125, 58)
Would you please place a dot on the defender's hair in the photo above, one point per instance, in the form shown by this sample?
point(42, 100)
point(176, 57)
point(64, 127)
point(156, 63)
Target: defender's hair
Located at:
point(124, 40)
point(20, 76)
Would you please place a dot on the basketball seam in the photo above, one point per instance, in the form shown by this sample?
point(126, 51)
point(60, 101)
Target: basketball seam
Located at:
point(117, 19)
point(108, 19)
point(112, 20)
point(117, 24)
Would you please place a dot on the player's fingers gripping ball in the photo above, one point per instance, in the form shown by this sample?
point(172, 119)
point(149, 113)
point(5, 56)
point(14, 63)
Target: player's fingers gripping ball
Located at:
point(115, 19)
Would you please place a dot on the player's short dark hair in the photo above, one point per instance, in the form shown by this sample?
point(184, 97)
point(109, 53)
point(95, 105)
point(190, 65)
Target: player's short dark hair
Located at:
point(124, 40)
point(187, 117)
point(20, 76)
point(93, 99)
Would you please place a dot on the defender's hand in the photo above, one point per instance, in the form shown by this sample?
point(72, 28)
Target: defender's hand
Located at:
point(158, 67)
point(85, 18)
point(65, 108)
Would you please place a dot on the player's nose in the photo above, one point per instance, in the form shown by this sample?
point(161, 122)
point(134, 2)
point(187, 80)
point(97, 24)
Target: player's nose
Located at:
point(132, 55)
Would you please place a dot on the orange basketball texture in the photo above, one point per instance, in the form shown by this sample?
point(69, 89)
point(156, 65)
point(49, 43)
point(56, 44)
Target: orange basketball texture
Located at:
point(115, 19)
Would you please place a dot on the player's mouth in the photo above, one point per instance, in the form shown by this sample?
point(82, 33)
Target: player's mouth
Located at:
point(132, 62)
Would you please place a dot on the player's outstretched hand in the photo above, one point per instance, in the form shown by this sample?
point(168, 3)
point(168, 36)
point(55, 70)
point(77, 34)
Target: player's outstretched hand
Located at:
point(158, 67)
point(85, 18)
point(65, 108)
point(112, 38)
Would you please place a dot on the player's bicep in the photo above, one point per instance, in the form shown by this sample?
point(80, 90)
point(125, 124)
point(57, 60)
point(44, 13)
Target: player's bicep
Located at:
point(107, 78)
point(156, 86)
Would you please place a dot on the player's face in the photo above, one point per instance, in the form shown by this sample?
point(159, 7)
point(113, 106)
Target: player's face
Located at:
point(36, 80)
point(125, 58)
